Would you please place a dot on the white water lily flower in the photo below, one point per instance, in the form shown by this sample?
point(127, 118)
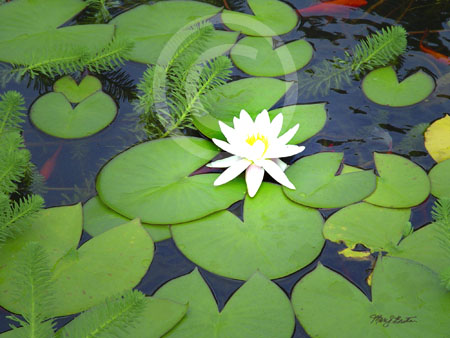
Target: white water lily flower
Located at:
point(256, 148)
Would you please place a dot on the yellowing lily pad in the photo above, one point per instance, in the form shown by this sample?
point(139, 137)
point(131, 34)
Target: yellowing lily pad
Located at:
point(76, 93)
point(271, 17)
point(277, 237)
point(407, 301)
point(53, 114)
point(377, 228)
point(98, 218)
point(318, 186)
point(258, 57)
point(437, 139)
point(400, 182)
point(381, 86)
point(259, 308)
point(151, 181)
point(440, 179)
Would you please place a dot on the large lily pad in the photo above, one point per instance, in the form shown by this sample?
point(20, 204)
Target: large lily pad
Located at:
point(151, 27)
point(379, 229)
point(437, 139)
point(271, 17)
point(259, 308)
point(440, 179)
point(400, 182)
point(407, 301)
point(98, 218)
point(381, 86)
point(258, 57)
point(57, 230)
point(151, 181)
point(277, 237)
point(318, 186)
point(225, 102)
point(116, 260)
point(74, 92)
point(29, 32)
point(53, 114)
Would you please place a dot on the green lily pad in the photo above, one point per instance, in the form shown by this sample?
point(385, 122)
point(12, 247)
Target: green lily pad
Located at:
point(76, 93)
point(277, 237)
point(30, 33)
point(116, 260)
point(440, 179)
point(151, 181)
point(259, 308)
point(400, 182)
point(258, 57)
point(57, 230)
point(98, 218)
point(318, 186)
point(225, 102)
point(377, 228)
point(271, 17)
point(407, 301)
point(151, 27)
point(54, 115)
point(381, 86)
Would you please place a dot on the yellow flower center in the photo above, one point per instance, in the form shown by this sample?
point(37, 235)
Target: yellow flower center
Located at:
point(252, 139)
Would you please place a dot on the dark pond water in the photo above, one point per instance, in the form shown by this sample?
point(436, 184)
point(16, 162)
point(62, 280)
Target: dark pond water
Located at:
point(355, 126)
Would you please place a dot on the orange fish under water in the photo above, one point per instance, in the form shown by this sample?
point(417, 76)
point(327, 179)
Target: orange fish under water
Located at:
point(331, 7)
point(49, 165)
point(438, 56)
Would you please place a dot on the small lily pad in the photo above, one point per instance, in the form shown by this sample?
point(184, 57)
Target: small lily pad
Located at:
point(259, 308)
point(407, 301)
point(53, 114)
point(258, 57)
point(381, 86)
point(437, 139)
point(440, 179)
point(318, 186)
point(98, 218)
point(271, 17)
point(76, 93)
point(116, 260)
point(400, 182)
point(151, 181)
point(377, 228)
point(277, 237)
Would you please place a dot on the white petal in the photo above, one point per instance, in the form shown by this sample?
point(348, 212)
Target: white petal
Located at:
point(253, 176)
point(232, 172)
point(228, 132)
point(224, 163)
point(262, 121)
point(225, 146)
point(256, 151)
point(284, 151)
point(277, 173)
point(245, 121)
point(287, 136)
point(276, 125)
point(279, 163)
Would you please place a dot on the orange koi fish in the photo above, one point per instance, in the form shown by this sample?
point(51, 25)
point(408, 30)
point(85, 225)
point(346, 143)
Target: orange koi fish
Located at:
point(438, 56)
point(49, 165)
point(331, 7)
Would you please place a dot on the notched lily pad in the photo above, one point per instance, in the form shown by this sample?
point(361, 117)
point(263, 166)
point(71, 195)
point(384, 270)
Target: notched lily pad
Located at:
point(277, 237)
point(259, 308)
point(98, 218)
point(440, 179)
point(407, 301)
point(271, 17)
point(318, 186)
point(53, 114)
point(400, 182)
point(437, 139)
point(377, 228)
point(258, 57)
point(74, 92)
point(151, 181)
point(381, 86)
